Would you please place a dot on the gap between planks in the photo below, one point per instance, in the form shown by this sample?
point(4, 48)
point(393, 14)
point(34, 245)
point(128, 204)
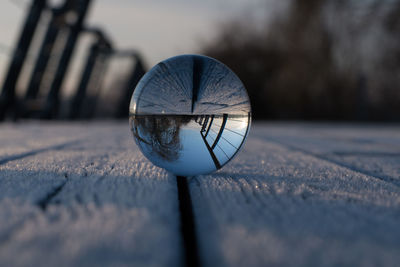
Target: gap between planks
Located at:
point(37, 151)
point(188, 227)
point(383, 178)
point(190, 253)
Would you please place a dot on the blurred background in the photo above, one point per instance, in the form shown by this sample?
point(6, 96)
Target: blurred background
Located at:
point(299, 60)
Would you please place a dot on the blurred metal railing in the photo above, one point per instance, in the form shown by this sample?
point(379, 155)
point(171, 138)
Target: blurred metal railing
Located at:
point(95, 66)
point(7, 97)
point(64, 28)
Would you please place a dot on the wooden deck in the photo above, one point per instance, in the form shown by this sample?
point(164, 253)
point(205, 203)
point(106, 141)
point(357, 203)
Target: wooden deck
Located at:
point(82, 194)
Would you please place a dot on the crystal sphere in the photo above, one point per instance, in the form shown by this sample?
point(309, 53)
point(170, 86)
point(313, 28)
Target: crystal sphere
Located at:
point(190, 115)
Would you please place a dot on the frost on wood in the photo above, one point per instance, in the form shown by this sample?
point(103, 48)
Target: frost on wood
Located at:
point(276, 206)
point(114, 208)
point(297, 195)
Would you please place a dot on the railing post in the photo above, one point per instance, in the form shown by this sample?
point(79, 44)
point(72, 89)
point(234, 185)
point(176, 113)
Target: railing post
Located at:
point(138, 71)
point(57, 20)
point(52, 102)
point(7, 97)
point(99, 52)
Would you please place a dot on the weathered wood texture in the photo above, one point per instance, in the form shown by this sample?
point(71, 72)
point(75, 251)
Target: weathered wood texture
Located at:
point(294, 197)
point(81, 194)
point(88, 199)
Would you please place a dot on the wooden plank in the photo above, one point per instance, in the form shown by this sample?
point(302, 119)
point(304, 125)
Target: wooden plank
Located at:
point(371, 149)
point(93, 202)
point(385, 165)
point(274, 206)
point(28, 138)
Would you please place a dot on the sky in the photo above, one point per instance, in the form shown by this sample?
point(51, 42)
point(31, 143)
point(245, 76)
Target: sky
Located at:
point(160, 28)
point(157, 28)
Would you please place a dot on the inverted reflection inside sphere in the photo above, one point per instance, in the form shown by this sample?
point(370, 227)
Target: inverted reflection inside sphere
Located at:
point(190, 114)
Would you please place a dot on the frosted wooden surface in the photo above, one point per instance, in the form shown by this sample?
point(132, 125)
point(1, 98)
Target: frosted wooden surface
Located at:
point(275, 205)
point(371, 149)
point(81, 194)
point(115, 208)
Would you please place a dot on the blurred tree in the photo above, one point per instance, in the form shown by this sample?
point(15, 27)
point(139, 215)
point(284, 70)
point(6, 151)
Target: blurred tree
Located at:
point(387, 87)
point(308, 84)
point(159, 134)
point(314, 61)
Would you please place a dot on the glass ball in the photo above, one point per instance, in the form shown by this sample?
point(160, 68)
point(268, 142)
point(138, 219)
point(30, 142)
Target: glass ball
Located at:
point(190, 115)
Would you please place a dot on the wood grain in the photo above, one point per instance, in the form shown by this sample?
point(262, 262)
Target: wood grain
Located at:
point(298, 194)
point(277, 206)
point(113, 208)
